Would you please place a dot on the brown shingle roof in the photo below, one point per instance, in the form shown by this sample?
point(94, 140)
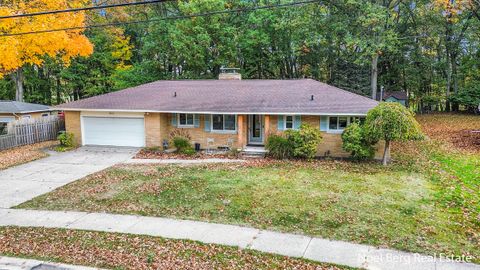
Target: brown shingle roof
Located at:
point(222, 96)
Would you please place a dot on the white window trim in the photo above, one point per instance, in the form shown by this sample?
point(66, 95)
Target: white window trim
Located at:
point(223, 131)
point(185, 126)
point(285, 122)
point(338, 131)
point(26, 116)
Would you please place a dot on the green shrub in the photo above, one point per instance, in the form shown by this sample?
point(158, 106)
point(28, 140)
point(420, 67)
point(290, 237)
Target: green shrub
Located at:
point(187, 151)
point(66, 139)
point(305, 141)
point(355, 141)
point(60, 148)
point(181, 143)
point(279, 147)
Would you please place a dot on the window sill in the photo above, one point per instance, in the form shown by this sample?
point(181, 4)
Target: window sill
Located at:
point(224, 131)
point(335, 131)
point(183, 126)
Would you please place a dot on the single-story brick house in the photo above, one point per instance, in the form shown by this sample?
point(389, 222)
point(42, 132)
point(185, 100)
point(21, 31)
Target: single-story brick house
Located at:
point(216, 113)
point(14, 110)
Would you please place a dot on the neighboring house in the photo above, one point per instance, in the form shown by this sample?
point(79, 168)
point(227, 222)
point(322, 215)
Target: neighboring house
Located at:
point(216, 113)
point(14, 110)
point(396, 96)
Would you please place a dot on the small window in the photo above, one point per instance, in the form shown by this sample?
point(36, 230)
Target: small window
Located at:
point(289, 122)
point(26, 116)
point(185, 120)
point(45, 114)
point(224, 122)
point(333, 124)
point(342, 122)
point(229, 122)
point(337, 123)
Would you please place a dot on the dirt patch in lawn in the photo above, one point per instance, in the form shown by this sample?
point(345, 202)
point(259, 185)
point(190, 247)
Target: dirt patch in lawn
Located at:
point(23, 154)
point(122, 251)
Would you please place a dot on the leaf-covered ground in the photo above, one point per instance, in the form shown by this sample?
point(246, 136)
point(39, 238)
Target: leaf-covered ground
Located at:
point(458, 131)
point(23, 154)
point(122, 251)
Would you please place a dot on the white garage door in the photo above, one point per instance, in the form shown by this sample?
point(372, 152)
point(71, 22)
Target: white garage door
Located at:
point(113, 131)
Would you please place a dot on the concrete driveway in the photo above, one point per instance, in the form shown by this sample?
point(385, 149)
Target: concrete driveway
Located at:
point(24, 182)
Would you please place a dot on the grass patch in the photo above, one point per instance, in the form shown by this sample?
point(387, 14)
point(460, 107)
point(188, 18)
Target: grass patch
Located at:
point(123, 251)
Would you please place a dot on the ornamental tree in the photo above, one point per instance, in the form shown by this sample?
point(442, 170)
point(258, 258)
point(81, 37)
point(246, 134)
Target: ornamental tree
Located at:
point(391, 121)
point(20, 50)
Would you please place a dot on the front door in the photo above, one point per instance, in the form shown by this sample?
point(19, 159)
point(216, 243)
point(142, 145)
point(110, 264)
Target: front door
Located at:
point(255, 129)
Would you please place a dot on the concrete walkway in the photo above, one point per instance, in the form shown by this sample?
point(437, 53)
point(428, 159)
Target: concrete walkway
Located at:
point(8, 263)
point(24, 182)
point(312, 248)
point(182, 161)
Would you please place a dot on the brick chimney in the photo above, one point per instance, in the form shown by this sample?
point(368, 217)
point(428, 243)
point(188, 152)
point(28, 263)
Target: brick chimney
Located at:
point(229, 74)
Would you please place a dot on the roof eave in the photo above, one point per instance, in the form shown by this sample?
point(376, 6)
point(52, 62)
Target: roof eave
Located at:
point(214, 112)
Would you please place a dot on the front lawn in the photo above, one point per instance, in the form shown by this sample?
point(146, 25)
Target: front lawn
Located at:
point(426, 201)
point(23, 154)
point(123, 251)
point(334, 200)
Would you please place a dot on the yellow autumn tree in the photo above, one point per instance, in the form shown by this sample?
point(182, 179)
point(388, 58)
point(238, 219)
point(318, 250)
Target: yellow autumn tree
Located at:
point(18, 51)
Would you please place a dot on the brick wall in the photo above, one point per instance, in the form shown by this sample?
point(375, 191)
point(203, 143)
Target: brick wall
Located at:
point(199, 135)
point(331, 142)
point(72, 125)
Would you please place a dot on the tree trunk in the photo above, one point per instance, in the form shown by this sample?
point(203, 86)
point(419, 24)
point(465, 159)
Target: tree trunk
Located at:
point(374, 75)
point(58, 89)
point(449, 85)
point(18, 78)
point(385, 153)
point(454, 81)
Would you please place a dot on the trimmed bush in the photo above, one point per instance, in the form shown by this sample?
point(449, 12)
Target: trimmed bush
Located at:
point(355, 141)
point(305, 141)
point(279, 146)
point(391, 122)
point(301, 143)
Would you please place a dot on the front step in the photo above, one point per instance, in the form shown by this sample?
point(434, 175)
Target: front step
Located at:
point(253, 152)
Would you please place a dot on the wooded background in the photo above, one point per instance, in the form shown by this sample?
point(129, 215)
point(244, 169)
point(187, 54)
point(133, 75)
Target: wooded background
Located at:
point(429, 48)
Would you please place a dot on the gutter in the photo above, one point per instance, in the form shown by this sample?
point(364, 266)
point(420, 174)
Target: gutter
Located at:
point(212, 112)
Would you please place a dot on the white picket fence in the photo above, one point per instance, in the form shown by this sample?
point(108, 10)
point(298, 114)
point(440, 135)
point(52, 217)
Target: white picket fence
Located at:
point(30, 131)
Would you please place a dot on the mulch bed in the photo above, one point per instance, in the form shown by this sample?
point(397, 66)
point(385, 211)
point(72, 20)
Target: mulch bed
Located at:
point(123, 251)
point(24, 154)
point(159, 154)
